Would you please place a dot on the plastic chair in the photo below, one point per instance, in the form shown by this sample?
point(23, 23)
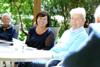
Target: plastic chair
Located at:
point(56, 31)
point(58, 65)
point(17, 27)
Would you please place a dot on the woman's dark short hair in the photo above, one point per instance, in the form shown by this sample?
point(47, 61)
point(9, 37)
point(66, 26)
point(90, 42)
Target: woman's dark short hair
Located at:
point(42, 14)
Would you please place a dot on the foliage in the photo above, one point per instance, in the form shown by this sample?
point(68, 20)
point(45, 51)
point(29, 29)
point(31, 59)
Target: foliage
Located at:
point(22, 36)
point(90, 7)
point(28, 23)
point(54, 23)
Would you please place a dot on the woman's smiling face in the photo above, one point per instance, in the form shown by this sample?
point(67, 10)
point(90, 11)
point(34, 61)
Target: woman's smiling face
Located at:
point(42, 21)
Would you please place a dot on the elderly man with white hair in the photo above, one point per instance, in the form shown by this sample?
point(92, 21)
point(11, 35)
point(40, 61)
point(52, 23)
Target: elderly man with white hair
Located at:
point(69, 41)
point(7, 32)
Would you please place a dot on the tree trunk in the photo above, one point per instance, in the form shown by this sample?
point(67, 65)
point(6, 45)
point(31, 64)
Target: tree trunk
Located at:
point(21, 23)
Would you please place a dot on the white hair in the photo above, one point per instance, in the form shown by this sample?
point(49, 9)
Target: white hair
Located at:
point(6, 14)
point(97, 12)
point(78, 10)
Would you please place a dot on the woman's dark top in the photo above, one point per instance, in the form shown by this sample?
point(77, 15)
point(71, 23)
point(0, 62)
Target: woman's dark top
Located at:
point(44, 41)
point(8, 34)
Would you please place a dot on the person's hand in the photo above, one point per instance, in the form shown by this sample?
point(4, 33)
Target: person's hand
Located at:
point(15, 65)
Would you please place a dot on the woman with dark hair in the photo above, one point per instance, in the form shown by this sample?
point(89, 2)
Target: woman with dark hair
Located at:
point(41, 36)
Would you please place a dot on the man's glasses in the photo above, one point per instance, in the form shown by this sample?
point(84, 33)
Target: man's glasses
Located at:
point(6, 19)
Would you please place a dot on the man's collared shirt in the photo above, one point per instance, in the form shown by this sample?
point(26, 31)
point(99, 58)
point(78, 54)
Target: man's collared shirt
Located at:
point(77, 30)
point(8, 27)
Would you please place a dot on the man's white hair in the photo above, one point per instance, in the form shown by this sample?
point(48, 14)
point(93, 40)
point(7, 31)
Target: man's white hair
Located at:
point(79, 10)
point(6, 14)
point(97, 12)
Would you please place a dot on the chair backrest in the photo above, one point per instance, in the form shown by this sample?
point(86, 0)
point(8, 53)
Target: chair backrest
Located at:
point(17, 27)
point(86, 30)
point(56, 31)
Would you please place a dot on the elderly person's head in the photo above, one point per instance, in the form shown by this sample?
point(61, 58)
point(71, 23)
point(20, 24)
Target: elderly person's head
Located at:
point(6, 19)
point(77, 17)
point(43, 18)
point(97, 15)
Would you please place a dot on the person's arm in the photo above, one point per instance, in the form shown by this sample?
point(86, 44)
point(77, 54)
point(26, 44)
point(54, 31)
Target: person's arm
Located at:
point(60, 46)
point(49, 42)
point(27, 40)
point(74, 46)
